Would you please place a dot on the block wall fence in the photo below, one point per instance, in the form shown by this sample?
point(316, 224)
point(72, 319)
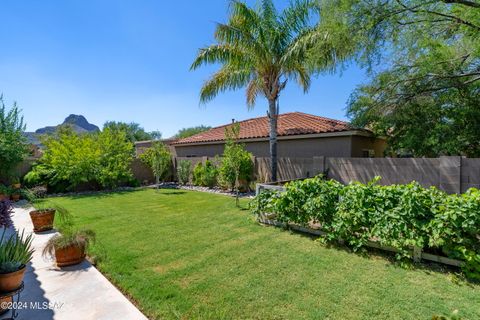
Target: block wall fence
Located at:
point(452, 174)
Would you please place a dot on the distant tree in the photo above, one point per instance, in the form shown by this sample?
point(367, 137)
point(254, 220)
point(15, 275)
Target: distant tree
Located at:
point(13, 143)
point(133, 131)
point(262, 49)
point(188, 132)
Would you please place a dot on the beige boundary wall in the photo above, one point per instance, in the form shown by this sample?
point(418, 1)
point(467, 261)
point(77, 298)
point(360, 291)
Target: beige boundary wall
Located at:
point(451, 174)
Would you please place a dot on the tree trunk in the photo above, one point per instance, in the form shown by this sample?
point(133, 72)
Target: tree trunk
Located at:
point(272, 114)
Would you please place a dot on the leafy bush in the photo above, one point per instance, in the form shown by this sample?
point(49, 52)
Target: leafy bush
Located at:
point(13, 143)
point(70, 159)
point(115, 155)
point(456, 229)
point(309, 200)
point(399, 216)
point(197, 174)
point(183, 171)
point(205, 175)
point(265, 203)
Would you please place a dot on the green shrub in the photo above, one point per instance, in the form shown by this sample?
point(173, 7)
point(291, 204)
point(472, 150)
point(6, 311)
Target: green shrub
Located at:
point(70, 159)
point(209, 175)
point(115, 155)
point(264, 203)
point(399, 216)
point(309, 200)
point(456, 229)
point(205, 175)
point(183, 171)
point(197, 174)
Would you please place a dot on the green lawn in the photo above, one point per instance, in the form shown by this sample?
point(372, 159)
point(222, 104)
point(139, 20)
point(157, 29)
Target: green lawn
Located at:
point(193, 255)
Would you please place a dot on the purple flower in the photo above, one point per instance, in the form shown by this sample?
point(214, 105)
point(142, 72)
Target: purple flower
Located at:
point(6, 210)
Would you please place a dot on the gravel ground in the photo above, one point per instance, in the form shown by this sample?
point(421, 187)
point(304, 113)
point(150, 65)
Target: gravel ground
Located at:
point(173, 185)
point(164, 185)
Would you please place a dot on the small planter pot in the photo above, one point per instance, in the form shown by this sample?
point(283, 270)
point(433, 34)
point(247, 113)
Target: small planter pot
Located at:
point(15, 197)
point(11, 281)
point(16, 186)
point(3, 197)
point(70, 255)
point(42, 219)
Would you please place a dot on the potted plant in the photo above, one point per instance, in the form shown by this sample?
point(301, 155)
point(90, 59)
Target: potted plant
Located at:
point(16, 194)
point(43, 214)
point(69, 247)
point(16, 183)
point(4, 192)
point(15, 251)
point(42, 217)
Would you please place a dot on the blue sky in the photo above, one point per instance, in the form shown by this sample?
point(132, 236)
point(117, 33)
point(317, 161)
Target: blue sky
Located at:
point(129, 61)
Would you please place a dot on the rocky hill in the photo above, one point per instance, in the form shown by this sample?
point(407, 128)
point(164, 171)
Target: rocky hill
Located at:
point(77, 122)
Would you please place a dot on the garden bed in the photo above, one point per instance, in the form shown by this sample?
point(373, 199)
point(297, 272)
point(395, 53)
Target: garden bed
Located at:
point(416, 254)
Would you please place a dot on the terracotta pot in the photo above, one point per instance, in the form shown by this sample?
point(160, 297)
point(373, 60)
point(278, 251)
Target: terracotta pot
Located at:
point(3, 197)
point(6, 301)
point(42, 219)
point(16, 186)
point(11, 281)
point(15, 197)
point(69, 255)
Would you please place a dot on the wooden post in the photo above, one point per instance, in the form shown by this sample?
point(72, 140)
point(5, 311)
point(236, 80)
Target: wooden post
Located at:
point(417, 254)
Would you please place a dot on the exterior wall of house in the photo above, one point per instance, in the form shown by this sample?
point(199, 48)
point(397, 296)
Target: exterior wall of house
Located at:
point(341, 146)
point(362, 145)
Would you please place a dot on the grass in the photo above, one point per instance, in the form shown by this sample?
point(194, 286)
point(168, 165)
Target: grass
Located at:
point(191, 255)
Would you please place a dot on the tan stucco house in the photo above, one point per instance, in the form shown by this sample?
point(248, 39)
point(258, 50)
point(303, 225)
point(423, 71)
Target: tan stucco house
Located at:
point(299, 135)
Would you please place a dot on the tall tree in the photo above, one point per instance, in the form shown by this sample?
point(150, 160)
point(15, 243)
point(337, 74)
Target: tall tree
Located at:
point(424, 62)
point(13, 143)
point(262, 49)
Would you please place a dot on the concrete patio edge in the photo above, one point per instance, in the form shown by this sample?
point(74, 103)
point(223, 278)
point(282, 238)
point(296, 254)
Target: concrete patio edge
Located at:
point(71, 293)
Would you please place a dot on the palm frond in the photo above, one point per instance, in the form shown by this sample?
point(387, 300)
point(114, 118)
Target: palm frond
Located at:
point(301, 74)
point(226, 78)
point(297, 17)
point(254, 87)
point(218, 53)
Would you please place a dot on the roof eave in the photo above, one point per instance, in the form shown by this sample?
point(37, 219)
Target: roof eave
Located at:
point(354, 132)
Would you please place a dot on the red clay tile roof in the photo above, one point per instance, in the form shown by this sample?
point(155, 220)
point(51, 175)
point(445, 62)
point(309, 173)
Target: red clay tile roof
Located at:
point(292, 123)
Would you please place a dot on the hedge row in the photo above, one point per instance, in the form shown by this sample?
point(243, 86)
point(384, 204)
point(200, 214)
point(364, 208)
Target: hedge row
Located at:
point(400, 216)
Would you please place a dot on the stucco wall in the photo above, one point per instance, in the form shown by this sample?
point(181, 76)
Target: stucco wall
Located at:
point(344, 146)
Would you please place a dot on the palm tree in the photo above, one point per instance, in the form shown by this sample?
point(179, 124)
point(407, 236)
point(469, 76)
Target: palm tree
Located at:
point(261, 49)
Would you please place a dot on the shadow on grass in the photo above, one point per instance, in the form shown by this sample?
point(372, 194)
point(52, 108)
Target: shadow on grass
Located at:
point(92, 194)
point(170, 193)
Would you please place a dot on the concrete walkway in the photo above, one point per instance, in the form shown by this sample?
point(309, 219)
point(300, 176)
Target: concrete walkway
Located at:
point(77, 292)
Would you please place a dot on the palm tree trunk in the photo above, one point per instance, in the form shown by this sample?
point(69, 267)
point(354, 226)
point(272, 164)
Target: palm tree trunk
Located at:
point(272, 114)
